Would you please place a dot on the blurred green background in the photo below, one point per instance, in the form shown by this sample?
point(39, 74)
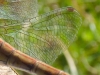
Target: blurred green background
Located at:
point(85, 51)
point(83, 55)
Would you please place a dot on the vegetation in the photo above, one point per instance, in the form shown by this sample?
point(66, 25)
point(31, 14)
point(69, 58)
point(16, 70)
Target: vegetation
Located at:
point(85, 51)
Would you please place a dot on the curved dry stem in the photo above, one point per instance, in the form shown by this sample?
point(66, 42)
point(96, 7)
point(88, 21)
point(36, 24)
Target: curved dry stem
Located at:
point(69, 58)
point(89, 67)
point(70, 62)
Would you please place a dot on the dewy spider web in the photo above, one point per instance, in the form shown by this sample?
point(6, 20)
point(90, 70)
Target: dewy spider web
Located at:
point(40, 38)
